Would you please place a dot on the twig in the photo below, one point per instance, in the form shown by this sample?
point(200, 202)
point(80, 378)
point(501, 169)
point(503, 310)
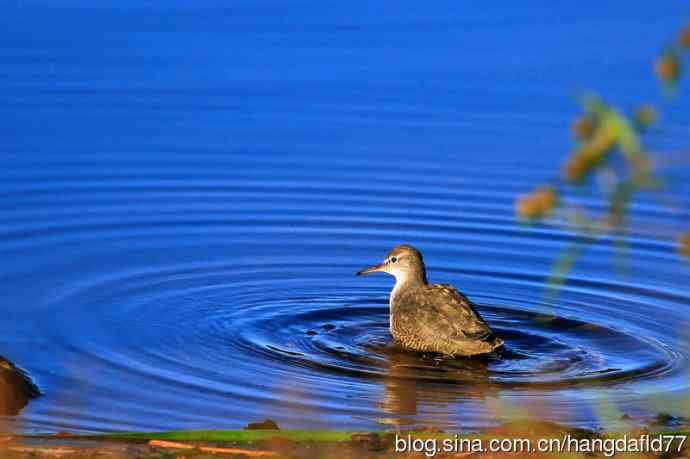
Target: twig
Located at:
point(57, 452)
point(210, 449)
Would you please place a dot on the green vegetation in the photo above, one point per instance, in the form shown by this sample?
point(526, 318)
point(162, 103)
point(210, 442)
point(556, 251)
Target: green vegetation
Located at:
point(610, 158)
point(243, 436)
point(228, 435)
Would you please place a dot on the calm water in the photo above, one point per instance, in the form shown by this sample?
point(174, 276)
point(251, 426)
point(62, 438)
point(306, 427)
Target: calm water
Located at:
point(187, 193)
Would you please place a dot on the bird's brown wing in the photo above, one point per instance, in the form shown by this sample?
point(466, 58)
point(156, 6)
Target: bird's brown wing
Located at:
point(441, 312)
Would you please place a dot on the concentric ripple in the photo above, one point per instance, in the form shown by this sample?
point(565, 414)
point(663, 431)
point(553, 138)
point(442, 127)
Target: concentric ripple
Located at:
point(284, 339)
point(185, 203)
point(212, 306)
point(541, 350)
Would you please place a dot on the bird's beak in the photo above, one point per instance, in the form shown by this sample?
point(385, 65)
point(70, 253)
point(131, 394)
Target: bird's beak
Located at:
point(372, 269)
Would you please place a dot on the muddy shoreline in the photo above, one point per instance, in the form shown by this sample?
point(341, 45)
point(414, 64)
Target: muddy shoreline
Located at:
point(318, 444)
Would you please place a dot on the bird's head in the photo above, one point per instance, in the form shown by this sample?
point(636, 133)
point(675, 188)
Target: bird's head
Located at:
point(403, 262)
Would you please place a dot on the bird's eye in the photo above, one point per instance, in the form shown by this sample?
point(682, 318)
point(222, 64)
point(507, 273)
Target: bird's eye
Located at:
point(393, 259)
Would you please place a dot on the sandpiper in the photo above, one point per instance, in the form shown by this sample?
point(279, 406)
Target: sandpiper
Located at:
point(431, 318)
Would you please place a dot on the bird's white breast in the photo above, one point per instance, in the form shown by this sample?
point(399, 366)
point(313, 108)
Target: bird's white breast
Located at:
point(391, 302)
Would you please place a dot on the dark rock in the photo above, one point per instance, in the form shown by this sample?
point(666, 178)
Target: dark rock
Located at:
point(16, 388)
point(668, 420)
point(663, 419)
point(266, 424)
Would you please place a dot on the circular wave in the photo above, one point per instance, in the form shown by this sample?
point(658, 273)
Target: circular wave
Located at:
point(240, 332)
point(181, 301)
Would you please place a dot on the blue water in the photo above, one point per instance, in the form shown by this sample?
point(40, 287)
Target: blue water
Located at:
point(187, 191)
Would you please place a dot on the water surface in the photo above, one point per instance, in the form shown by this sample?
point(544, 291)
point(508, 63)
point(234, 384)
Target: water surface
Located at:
point(189, 190)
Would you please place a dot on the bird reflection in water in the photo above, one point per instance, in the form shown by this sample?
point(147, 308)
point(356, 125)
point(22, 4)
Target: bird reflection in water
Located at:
point(420, 389)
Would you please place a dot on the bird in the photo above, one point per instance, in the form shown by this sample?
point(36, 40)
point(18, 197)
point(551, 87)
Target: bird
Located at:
point(433, 318)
